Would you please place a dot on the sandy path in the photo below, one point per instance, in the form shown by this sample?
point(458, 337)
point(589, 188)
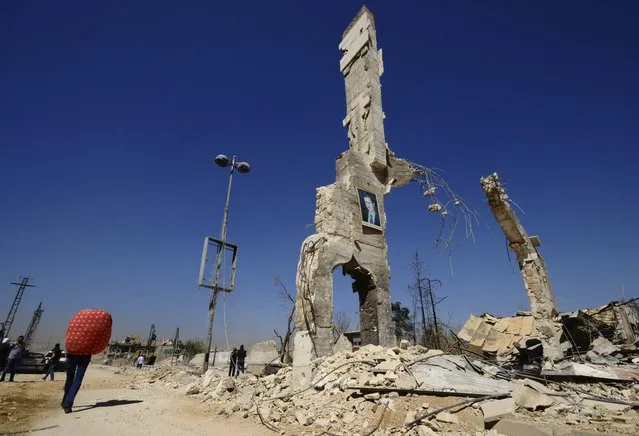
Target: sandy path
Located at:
point(105, 406)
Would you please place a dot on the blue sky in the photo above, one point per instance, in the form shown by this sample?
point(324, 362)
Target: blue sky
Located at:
point(111, 115)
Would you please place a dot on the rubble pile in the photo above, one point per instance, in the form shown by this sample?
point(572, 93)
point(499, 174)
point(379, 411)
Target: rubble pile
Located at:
point(393, 391)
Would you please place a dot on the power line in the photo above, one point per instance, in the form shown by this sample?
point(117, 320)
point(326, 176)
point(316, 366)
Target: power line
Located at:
point(24, 284)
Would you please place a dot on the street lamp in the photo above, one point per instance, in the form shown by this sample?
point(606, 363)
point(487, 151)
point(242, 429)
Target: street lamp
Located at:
point(241, 167)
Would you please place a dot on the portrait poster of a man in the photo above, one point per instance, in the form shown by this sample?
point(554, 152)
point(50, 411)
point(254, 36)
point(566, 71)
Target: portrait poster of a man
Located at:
point(369, 208)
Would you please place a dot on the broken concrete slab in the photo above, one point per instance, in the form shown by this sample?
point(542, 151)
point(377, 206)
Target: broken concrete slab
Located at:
point(225, 385)
point(530, 399)
point(387, 365)
point(373, 396)
point(209, 376)
point(590, 371)
point(604, 405)
point(302, 418)
point(410, 417)
point(448, 373)
point(535, 385)
point(342, 344)
point(603, 347)
point(497, 409)
point(423, 430)
point(260, 355)
point(192, 389)
point(447, 417)
point(511, 427)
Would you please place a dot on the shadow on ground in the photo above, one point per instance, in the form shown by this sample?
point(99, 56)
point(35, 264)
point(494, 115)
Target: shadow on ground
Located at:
point(28, 431)
point(109, 403)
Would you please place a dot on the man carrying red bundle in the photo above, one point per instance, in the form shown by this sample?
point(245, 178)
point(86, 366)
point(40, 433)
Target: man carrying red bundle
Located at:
point(88, 334)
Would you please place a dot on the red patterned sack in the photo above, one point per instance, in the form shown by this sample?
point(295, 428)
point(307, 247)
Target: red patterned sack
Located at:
point(89, 332)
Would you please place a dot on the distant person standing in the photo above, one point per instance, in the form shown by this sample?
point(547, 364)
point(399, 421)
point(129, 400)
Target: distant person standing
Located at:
point(5, 347)
point(140, 361)
point(232, 362)
point(12, 361)
point(241, 356)
point(56, 353)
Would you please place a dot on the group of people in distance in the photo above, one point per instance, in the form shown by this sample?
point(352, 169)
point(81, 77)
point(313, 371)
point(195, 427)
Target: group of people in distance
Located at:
point(10, 355)
point(236, 362)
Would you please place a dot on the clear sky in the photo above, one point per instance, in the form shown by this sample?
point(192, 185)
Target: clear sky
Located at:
point(111, 114)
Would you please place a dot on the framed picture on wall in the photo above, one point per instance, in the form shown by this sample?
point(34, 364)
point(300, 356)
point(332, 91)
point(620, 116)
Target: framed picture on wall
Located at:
point(369, 209)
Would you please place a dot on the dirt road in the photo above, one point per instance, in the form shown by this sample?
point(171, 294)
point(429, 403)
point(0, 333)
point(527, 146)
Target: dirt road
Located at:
point(105, 406)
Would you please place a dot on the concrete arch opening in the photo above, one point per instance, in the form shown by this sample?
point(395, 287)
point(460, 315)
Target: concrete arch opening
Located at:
point(364, 286)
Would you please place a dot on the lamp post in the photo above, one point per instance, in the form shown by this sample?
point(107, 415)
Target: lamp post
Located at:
point(241, 167)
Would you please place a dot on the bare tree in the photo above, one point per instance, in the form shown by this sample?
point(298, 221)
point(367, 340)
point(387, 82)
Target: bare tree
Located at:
point(423, 293)
point(341, 324)
point(285, 341)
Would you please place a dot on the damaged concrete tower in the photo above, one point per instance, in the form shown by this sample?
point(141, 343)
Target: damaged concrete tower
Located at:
point(349, 218)
point(531, 264)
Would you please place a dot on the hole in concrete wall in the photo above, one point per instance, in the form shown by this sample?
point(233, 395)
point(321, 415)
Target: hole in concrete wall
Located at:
point(351, 280)
point(380, 171)
point(345, 301)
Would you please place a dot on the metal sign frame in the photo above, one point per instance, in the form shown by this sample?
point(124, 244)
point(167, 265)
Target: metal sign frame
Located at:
point(219, 246)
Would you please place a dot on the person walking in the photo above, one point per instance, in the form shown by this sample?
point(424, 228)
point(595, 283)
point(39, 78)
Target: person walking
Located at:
point(87, 335)
point(56, 353)
point(140, 361)
point(232, 361)
point(241, 355)
point(12, 361)
point(5, 347)
point(76, 368)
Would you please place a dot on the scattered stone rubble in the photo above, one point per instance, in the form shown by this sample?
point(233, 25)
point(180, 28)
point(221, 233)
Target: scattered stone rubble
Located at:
point(384, 391)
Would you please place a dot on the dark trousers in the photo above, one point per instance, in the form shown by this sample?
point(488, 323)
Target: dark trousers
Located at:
point(76, 368)
point(10, 368)
point(50, 371)
point(240, 367)
point(232, 368)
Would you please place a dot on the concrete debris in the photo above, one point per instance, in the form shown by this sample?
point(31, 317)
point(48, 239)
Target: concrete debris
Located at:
point(449, 373)
point(511, 427)
point(447, 417)
point(422, 430)
point(342, 344)
point(410, 417)
point(604, 406)
point(576, 370)
point(347, 396)
point(386, 366)
point(603, 347)
point(497, 409)
point(607, 335)
point(192, 389)
point(261, 355)
point(302, 418)
point(530, 399)
point(226, 385)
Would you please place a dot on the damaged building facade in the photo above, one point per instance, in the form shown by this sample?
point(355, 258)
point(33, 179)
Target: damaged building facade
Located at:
point(350, 218)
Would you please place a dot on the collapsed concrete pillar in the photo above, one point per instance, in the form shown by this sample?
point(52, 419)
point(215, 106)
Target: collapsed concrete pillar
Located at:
point(350, 219)
point(531, 265)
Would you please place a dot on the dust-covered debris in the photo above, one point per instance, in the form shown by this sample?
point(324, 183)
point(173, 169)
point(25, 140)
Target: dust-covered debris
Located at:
point(351, 395)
